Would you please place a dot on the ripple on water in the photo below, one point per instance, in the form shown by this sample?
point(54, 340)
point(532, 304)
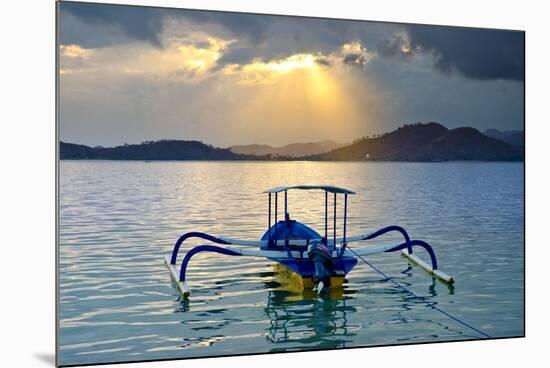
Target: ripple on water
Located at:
point(119, 219)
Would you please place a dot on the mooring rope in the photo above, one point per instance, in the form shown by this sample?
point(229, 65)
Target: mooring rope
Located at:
point(431, 305)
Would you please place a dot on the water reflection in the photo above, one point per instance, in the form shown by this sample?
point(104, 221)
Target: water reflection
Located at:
point(320, 320)
point(306, 316)
point(313, 320)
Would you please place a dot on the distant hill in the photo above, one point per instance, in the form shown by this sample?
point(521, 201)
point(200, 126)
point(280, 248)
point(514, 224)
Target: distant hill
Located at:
point(154, 150)
point(467, 144)
point(76, 152)
point(425, 142)
point(413, 142)
point(513, 137)
point(290, 150)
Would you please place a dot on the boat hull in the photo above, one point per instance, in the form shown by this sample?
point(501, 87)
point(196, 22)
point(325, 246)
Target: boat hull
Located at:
point(303, 270)
point(288, 276)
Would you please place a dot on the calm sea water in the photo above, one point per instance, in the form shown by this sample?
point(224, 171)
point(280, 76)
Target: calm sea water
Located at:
point(119, 219)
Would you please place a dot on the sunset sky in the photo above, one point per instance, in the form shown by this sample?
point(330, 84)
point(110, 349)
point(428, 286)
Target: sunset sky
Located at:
point(129, 74)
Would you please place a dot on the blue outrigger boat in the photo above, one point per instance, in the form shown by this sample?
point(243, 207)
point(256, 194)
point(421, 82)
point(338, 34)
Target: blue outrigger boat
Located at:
point(313, 260)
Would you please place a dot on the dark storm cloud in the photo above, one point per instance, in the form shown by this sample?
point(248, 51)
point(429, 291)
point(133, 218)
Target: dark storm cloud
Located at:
point(262, 37)
point(257, 36)
point(355, 59)
point(236, 55)
point(250, 26)
point(144, 24)
point(274, 37)
point(475, 53)
point(395, 45)
point(285, 36)
point(323, 60)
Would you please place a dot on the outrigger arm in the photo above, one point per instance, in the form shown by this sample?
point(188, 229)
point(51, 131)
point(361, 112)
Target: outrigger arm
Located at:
point(408, 245)
point(261, 243)
point(406, 249)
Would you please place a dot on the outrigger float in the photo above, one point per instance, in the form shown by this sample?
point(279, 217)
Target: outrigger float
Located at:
point(314, 261)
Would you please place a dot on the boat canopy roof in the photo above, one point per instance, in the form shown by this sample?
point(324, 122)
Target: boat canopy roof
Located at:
point(327, 188)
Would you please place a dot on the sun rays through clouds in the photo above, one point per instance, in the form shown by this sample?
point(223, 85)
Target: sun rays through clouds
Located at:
point(227, 78)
